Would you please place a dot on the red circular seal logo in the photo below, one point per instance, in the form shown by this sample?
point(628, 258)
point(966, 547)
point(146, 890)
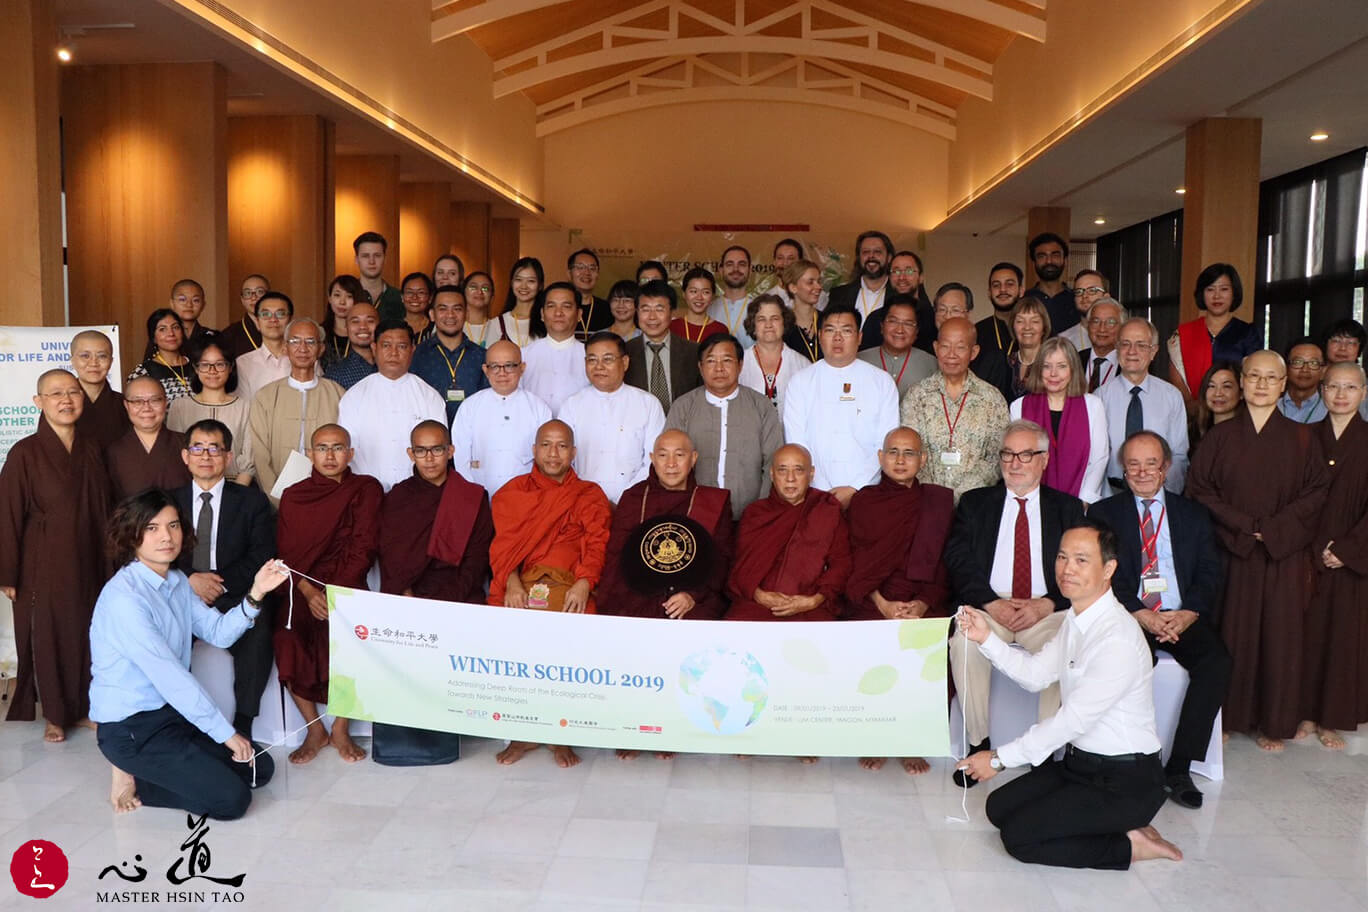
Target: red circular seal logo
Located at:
point(39, 868)
point(361, 631)
point(564, 723)
point(497, 717)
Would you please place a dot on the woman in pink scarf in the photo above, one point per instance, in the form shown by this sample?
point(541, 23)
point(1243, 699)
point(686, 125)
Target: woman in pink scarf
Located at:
point(1056, 400)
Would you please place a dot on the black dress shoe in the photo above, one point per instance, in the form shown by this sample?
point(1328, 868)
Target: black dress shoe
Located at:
point(963, 780)
point(1182, 790)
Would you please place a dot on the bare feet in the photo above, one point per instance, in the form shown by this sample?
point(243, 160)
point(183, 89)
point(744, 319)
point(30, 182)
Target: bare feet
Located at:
point(625, 754)
point(86, 723)
point(1271, 745)
point(53, 734)
point(915, 766)
point(808, 760)
point(341, 739)
point(565, 756)
point(665, 755)
point(872, 763)
point(1330, 738)
point(1146, 843)
point(122, 792)
point(1306, 729)
point(315, 739)
point(514, 752)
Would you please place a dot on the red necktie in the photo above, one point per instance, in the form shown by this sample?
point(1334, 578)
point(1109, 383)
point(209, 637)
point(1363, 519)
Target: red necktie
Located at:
point(1150, 541)
point(1021, 554)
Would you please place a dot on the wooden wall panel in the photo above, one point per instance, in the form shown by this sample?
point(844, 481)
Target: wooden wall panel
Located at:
point(1221, 206)
point(366, 195)
point(470, 235)
point(146, 181)
point(504, 237)
point(424, 224)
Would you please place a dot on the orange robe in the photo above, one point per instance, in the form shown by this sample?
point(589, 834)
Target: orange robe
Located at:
point(561, 528)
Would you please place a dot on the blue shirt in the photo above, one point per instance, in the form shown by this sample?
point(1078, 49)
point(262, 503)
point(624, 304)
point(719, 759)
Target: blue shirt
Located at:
point(1310, 411)
point(350, 371)
point(1172, 598)
point(140, 648)
point(445, 369)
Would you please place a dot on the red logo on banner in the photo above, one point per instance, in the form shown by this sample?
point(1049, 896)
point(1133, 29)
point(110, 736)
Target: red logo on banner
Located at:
point(39, 868)
point(361, 631)
point(497, 717)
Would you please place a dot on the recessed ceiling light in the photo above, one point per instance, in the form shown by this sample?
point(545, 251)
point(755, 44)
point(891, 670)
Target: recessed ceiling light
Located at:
point(1180, 191)
point(64, 53)
point(1099, 221)
point(1320, 136)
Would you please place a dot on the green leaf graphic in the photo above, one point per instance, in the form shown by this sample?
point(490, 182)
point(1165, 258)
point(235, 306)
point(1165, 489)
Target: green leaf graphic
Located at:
point(916, 635)
point(343, 700)
point(879, 679)
point(934, 669)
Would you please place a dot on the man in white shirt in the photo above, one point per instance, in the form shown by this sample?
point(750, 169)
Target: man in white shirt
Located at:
point(555, 363)
point(1137, 400)
point(493, 435)
point(841, 408)
point(381, 411)
point(729, 308)
point(1103, 325)
point(268, 362)
point(1094, 809)
point(615, 424)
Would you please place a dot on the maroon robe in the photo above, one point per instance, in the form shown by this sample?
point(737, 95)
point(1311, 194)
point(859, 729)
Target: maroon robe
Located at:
point(134, 469)
point(897, 537)
point(53, 510)
point(792, 549)
point(709, 507)
point(434, 539)
point(329, 530)
point(105, 420)
point(1336, 683)
point(1273, 482)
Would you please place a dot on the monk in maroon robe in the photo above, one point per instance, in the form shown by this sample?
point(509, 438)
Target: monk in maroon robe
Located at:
point(898, 528)
point(1336, 684)
point(329, 528)
point(148, 455)
point(1263, 477)
point(435, 528)
point(103, 419)
point(792, 549)
point(54, 501)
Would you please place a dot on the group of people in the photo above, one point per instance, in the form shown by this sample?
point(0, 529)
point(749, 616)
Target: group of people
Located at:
point(859, 453)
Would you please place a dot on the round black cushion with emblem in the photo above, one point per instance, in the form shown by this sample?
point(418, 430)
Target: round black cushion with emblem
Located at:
point(667, 553)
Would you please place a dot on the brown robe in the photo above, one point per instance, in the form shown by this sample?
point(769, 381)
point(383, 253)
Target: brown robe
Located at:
point(709, 507)
point(897, 538)
point(1336, 682)
point(1273, 482)
point(134, 469)
point(793, 549)
point(105, 420)
point(434, 539)
point(53, 509)
point(331, 531)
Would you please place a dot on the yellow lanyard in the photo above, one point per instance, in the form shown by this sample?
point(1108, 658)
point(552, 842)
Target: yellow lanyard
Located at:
point(179, 375)
point(459, 358)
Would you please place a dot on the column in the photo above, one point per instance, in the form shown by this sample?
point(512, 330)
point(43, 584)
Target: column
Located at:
point(504, 243)
point(1039, 220)
point(470, 237)
point(1221, 206)
point(424, 224)
point(366, 195)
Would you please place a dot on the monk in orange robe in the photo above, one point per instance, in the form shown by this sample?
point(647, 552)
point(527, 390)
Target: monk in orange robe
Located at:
point(550, 535)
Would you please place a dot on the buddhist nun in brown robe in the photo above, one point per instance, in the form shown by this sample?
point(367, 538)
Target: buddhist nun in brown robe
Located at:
point(328, 528)
point(54, 501)
point(1336, 683)
point(148, 455)
point(435, 528)
point(103, 419)
point(1264, 479)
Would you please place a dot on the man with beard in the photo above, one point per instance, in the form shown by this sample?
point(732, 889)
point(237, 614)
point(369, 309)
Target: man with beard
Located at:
point(360, 361)
point(1050, 255)
point(730, 308)
point(868, 275)
point(994, 334)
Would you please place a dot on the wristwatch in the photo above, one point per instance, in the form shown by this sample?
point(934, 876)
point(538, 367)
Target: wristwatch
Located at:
point(994, 762)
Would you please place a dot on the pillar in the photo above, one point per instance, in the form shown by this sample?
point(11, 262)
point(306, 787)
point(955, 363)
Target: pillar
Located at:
point(1039, 220)
point(470, 236)
point(366, 197)
point(30, 157)
point(280, 206)
point(1221, 206)
point(504, 244)
point(146, 181)
point(424, 224)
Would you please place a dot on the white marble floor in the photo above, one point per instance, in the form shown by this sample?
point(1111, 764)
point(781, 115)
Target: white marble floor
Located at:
point(693, 833)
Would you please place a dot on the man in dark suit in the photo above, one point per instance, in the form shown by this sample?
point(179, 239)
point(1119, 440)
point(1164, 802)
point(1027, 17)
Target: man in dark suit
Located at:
point(1102, 325)
point(868, 275)
point(677, 370)
point(1169, 577)
point(234, 535)
point(1001, 559)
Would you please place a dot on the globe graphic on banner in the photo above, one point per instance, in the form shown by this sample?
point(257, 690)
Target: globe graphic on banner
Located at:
point(722, 692)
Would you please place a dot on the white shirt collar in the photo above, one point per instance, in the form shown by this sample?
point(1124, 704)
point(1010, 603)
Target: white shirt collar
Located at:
point(1092, 614)
point(566, 344)
point(216, 491)
point(303, 384)
point(718, 400)
point(1031, 498)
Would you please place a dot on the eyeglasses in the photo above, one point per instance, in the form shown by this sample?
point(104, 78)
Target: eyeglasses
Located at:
point(951, 311)
point(909, 271)
point(1312, 363)
point(596, 360)
point(145, 401)
point(505, 367)
point(1107, 322)
point(333, 448)
point(1128, 345)
point(307, 342)
point(63, 394)
point(212, 449)
point(1025, 457)
point(251, 294)
point(413, 294)
point(272, 314)
point(482, 288)
point(99, 357)
point(845, 332)
point(212, 367)
point(424, 452)
point(905, 324)
point(1090, 290)
point(1343, 387)
point(1143, 468)
point(1256, 379)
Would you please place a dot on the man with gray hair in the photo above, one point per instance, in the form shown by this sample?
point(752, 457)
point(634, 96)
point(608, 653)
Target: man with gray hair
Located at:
point(1001, 560)
point(1139, 401)
point(1102, 325)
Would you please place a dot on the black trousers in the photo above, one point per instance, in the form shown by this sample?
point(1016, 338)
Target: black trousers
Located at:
point(252, 657)
point(1075, 813)
point(1202, 652)
point(176, 765)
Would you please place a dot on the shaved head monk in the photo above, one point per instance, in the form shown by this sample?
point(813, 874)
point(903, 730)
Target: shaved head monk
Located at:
point(898, 528)
point(148, 454)
point(54, 500)
point(792, 549)
point(550, 532)
point(329, 528)
point(103, 419)
point(435, 527)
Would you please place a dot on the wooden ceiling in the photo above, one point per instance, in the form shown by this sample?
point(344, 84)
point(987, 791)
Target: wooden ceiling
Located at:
point(581, 60)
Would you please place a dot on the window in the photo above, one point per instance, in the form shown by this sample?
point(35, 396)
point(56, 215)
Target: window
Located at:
point(1144, 264)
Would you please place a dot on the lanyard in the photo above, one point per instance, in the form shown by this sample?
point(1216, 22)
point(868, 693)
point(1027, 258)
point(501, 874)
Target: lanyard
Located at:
point(812, 352)
point(179, 375)
point(687, 337)
point(248, 333)
point(441, 349)
point(587, 318)
point(740, 317)
point(1151, 543)
point(898, 382)
point(771, 389)
point(998, 336)
point(341, 355)
point(952, 425)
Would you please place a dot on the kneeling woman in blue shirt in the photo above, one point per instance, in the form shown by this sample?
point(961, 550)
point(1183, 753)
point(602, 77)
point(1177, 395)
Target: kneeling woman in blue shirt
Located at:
point(169, 744)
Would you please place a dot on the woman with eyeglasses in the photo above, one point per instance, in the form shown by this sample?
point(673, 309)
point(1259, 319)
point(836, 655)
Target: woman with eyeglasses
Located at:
point(1057, 399)
point(165, 364)
point(343, 292)
point(480, 326)
point(520, 321)
point(212, 386)
point(1030, 325)
point(1217, 335)
point(622, 303)
point(416, 291)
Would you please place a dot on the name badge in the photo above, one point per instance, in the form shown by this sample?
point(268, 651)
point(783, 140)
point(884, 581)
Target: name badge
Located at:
point(455, 394)
point(1153, 584)
point(950, 458)
point(474, 463)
